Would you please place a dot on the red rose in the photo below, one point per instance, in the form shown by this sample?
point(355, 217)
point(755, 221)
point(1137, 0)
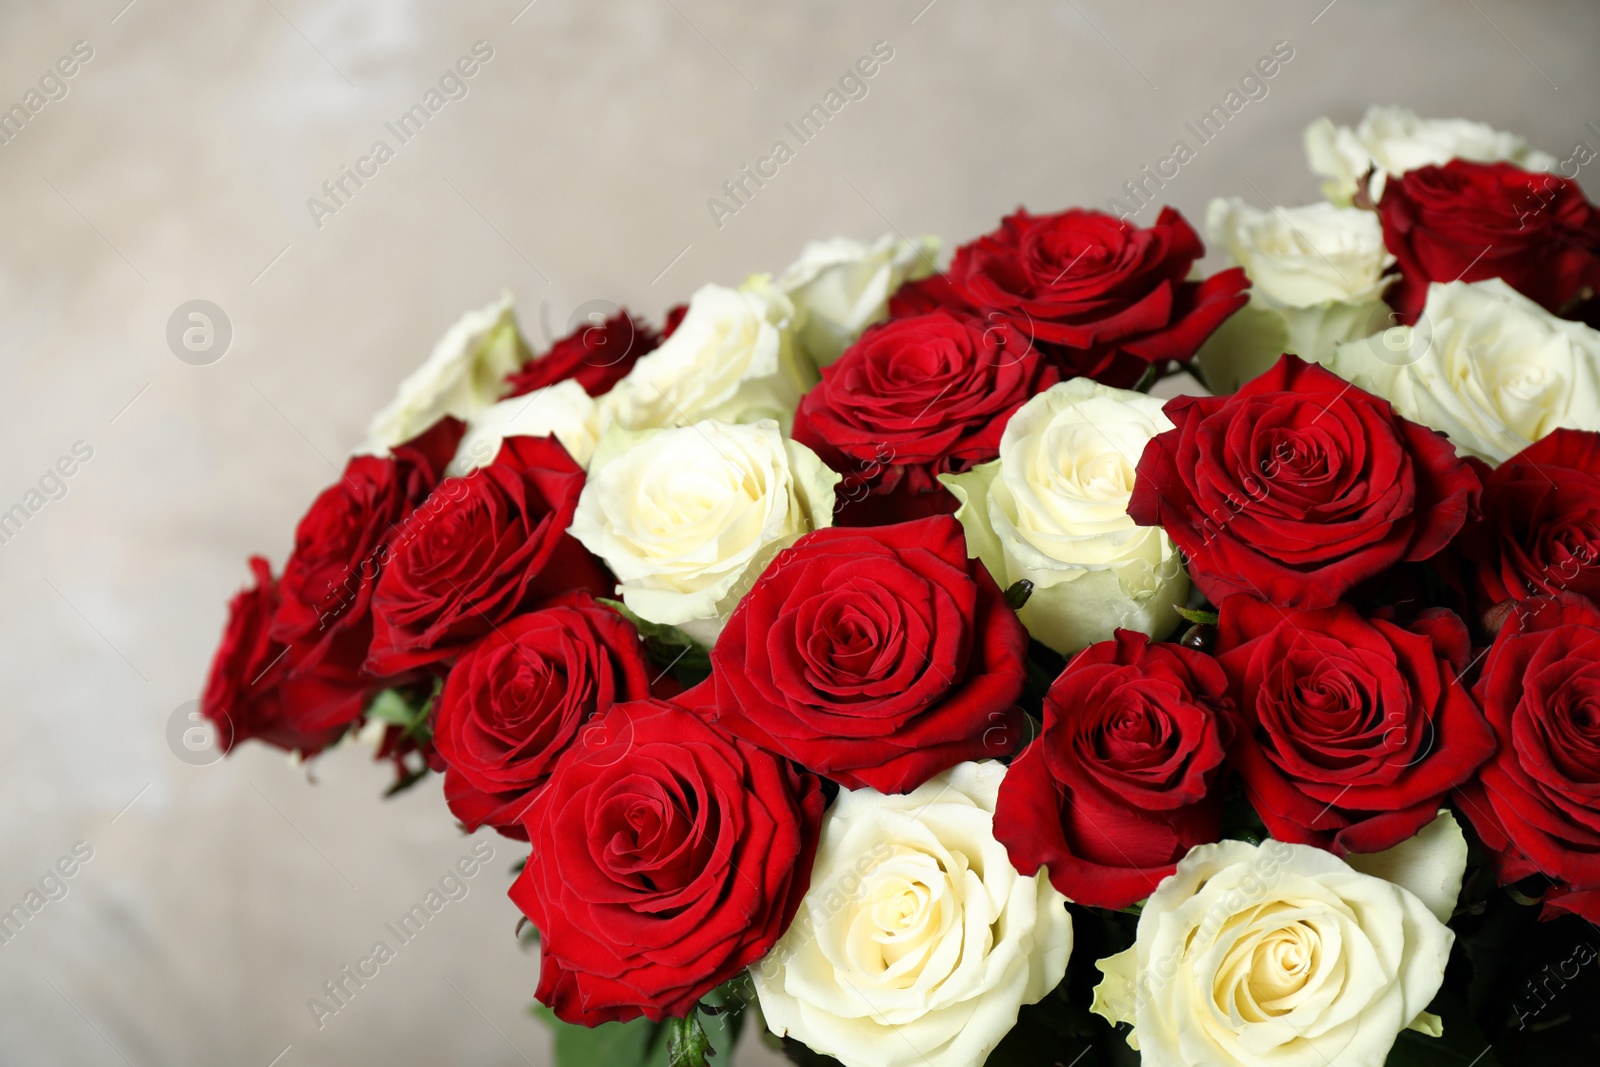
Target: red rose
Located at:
point(1099, 296)
point(877, 658)
point(1122, 782)
point(340, 545)
point(1541, 527)
point(666, 859)
point(1536, 804)
point(597, 355)
point(479, 550)
point(515, 701)
point(254, 690)
point(1352, 731)
point(1299, 486)
point(1467, 221)
point(915, 398)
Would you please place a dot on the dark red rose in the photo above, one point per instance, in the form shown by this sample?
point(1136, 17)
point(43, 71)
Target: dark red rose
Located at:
point(666, 859)
point(1122, 782)
point(1099, 296)
point(1352, 731)
point(254, 689)
point(915, 398)
point(340, 546)
point(673, 319)
point(597, 355)
point(516, 700)
point(877, 658)
point(479, 550)
point(1536, 804)
point(1299, 486)
point(1467, 221)
point(1541, 526)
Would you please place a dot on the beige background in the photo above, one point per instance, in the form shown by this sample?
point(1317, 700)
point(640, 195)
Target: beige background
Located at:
point(577, 168)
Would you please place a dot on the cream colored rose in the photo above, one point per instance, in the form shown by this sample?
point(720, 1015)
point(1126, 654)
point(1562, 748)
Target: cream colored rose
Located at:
point(1053, 509)
point(687, 518)
point(1485, 365)
point(732, 358)
point(465, 374)
point(1284, 955)
point(918, 941)
point(1393, 140)
point(562, 410)
point(1316, 277)
point(842, 286)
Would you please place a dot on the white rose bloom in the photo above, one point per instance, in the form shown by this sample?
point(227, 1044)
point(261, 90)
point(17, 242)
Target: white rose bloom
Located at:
point(465, 374)
point(687, 518)
point(842, 286)
point(1278, 955)
point(562, 410)
point(1317, 279)
point(917, 941)
point(1054, 509)
point(1393, 140)
point(732, 358)
point(1485, 365)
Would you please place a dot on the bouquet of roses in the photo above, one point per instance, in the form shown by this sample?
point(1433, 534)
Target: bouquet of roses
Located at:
point(869, 647)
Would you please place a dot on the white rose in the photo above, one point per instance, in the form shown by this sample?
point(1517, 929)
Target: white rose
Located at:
point(1053, 509)
point(842, 286)
point(465, 374)
point(1317, 279)
point(917, 941)
point(1484, 365)
point(1393, 140)
point(1282, 955)
point(562, 410)
point(732, 358)
point(687, 518)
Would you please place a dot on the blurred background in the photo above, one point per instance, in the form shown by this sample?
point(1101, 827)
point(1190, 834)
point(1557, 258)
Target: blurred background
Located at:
point(177, 163)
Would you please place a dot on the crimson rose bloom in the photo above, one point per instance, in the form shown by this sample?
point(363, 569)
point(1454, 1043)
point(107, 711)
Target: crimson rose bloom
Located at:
point(1123, 780)
point(341, 544)
point(1352, 731)
point(1537, 803)
point(597, 355)
point(877, 658)
point(666, 859)
point(516, 700)
point(482, 548)
point(1468, 221)
point(254, 690)
point(1541, 527)
point(1099, 296)
point(912, 399)
point(1299, 486)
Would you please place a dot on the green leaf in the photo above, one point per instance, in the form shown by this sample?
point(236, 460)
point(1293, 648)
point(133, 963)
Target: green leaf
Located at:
point(636, 1043)
point(392, 707)
point(1018, 593)
point(406, 781)
point(687, 1043)
point(669, 647)
point(1198, 617)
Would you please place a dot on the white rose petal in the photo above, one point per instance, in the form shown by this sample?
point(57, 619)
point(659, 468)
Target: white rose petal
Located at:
point(842, 286)
point(687, 518)
point(1429, 864)
point(732, 358)
point(1393, 140)
point(465, 374)
point(918, 941)
point(563, 410)
point(1053, 509)
point(1484, 365)
point(1277, 955)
